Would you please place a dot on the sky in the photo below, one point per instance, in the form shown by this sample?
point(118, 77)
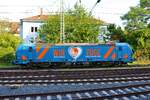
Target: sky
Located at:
point(107, 10)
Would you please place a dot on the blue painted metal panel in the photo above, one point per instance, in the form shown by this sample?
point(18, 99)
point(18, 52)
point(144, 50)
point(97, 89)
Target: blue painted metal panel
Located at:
point(85, 53)
point(75, 53)
point(124, 52)
point(23, 50)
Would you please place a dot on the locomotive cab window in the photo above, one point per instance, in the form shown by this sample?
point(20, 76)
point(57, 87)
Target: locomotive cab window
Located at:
point(30, 49)
point(120, 48)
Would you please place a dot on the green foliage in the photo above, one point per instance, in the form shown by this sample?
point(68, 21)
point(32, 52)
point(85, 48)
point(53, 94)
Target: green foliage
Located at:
point(137, 27)
point(9, 40)
point(136, 18)
point(51, 29)
point(6, 55)
point(78, 11)
point(144, 3)
point(116, 33)
point(8, 45)
point(79, 27)
point(139, 38)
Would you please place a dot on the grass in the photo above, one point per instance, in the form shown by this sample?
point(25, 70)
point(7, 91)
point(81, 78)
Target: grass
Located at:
point(141, 62)
point(7, 65)
point(138, 62)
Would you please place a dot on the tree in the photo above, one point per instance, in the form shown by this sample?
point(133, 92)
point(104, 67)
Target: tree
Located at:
point(8, 45)
point(116, 33)
point(137, 27)
point(8, 42)
point(144, 3)
point(136, 18)
point(79, 27)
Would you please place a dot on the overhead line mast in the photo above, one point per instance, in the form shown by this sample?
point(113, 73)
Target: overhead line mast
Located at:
point(98, 1)
point(62, 23)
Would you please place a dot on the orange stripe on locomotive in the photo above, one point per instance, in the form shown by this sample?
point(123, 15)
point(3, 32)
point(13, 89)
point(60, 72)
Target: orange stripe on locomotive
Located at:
point(108, 52)
point(42, 54)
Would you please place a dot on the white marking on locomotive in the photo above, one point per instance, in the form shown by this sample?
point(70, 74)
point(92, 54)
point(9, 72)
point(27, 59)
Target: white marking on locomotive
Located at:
point(75, 52)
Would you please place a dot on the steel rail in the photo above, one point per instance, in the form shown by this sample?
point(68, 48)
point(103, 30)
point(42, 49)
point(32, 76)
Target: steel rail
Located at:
point(69, 77)
point(67, 73)
point(25, 82)
point(85, 90)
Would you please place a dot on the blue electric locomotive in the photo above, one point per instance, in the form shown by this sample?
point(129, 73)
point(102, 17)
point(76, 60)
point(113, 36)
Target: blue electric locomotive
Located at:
point(78, 53)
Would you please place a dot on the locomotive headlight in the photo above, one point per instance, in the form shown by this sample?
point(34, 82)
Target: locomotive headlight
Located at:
point(23, 57)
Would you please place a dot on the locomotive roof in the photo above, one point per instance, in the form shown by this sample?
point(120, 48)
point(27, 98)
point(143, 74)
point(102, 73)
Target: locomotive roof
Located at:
point(74, 44)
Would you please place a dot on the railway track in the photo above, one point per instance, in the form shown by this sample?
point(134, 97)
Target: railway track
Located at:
point(128, 92)
point(124, 84)
point(104, 72)
point(32, 80)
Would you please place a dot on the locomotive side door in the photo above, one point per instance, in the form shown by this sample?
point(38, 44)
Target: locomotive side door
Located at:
point(125, 54)
point(30, 54)
point(120, 53)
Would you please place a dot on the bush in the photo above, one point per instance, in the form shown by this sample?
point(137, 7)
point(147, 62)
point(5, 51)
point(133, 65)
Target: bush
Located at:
point(6, 55)
point(8, 45)
point(9, 40)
